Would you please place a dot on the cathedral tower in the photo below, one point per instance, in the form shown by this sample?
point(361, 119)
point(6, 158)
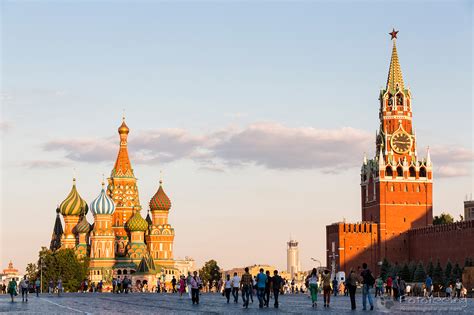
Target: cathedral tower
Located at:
point(71, 208)
point(123, 190)
point(396, 186)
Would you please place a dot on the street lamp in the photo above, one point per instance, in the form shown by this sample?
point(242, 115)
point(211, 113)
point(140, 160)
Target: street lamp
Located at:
point(41, 274)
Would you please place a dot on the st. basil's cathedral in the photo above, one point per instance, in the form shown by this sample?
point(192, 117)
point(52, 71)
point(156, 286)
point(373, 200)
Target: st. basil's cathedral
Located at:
point(120, 241)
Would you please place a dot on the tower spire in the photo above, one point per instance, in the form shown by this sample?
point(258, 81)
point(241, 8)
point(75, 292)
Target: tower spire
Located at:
point(395, 77)
point(123, 167)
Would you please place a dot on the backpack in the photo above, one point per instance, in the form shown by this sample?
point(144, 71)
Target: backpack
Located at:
point(370, 278)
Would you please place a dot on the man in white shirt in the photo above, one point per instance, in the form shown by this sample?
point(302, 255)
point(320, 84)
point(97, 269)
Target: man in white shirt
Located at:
point(235, 287)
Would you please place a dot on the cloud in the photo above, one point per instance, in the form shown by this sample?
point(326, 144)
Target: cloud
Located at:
point(45, 164)
point(270, 145)
point(451, 161)
point(5, 126)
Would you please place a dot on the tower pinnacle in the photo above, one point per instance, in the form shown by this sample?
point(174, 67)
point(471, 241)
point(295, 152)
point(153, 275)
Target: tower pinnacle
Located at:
point(395, 78)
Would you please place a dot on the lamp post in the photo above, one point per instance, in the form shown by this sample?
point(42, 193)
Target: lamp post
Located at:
point(41, 275)
point(319, 262)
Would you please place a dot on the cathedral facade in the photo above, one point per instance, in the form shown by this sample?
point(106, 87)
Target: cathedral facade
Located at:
point(120, 242)
point(396, 196)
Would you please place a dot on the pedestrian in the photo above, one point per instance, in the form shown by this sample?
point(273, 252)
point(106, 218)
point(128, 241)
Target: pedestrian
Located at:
point(99, 286)
point(60, 286)
point(379, 286)
point(402, 289)
point(114, 285)
point(24, 289)
point(313, 280)
point(196, 284)
point(428, 285)
point(261, 282)
point(12, 289)
point(388, 286)
point(368, 282)
point(458, 286)
point(125, 284)
point(219, 286)
point(51, 286)
point(276, 283)
point(188, 282)
point(335, 286)
point(352, 287)
point(228, 288)
point(268, 284)
point(173, 285)
point(37, 286)
point(93, 288)
point(235, 287)
point(246, 285)
point(119, 285)
point(449, 290)
point(326, 284)
point(396, 287)
point(182, 286)
point(158, 285)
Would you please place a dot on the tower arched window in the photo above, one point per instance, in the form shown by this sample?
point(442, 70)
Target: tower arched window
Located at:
point(388, 171)
point(412, 171)
point(399, 171)
point(422, 172)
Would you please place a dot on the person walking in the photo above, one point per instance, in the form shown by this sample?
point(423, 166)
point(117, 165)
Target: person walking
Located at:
point(276, 283)
point(368, 282)
point(235, 287)
point(313, 280)
point(195, 286)
point(60, 286)
point(326, 281)
point(125, 284)
point(429, 285)
point(335, 286)
point(173, 285)
point(266, 297)
point(188, 283)
point(227, 288)
point(352, 287)
point(12, 289)
point(388, 286)
point(246, 286)
point(119, 285)
point(37, 286)
point(24, 289)
point(51, 286)
point(402, 289)
point(396, 288)
point(182, 286)
point(458, 287)
point(114, 285)
point(261, 282)
point(379, 286)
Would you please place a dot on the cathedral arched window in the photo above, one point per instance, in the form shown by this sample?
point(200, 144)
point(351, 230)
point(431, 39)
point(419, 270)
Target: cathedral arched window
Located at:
point(399, 171)
point(388, 171)
point(412, 171)
point(422, 172)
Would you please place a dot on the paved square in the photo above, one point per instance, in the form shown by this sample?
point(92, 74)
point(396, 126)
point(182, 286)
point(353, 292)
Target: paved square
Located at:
point(147, 303)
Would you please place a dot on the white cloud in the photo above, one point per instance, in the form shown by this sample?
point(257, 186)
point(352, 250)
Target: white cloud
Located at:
point(451, 161)
point(41, 164)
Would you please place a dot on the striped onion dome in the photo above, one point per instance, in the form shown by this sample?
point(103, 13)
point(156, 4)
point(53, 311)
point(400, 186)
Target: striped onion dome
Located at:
point(160, 200)
point(82, 227)
point(103, 204)
point(73, 204)
point(137, 223)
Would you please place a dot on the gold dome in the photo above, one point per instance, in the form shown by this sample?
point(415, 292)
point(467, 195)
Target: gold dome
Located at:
point(123, 129)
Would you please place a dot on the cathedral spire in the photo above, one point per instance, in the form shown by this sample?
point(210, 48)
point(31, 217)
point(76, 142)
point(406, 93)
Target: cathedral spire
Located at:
point(395, 77)
point(123, 167)
point(57, 232)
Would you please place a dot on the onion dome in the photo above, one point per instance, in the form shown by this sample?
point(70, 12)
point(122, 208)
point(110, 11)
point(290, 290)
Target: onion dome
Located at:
point(160, 200)
point(137, 223)
point(74, 204)
point(123, 129)
point(103, 204)
point(82, 227)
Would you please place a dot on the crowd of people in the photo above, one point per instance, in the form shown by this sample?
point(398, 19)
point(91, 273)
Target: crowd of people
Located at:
point(264, 286)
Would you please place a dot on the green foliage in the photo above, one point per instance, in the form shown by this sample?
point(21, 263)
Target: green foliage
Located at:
point(210, 273)
point(62, 264)
point(420, 274)
point(430, 268)
point(438, 275)
point(412, 267)
point(457, 273)
point(468, 262)
point(32, 272)
point(448, 273)
point(443, 218)
point(385, 269)
point(405, 273)
point(395, 270)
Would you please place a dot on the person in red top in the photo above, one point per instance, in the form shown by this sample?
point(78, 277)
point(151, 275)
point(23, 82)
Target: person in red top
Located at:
point(388, 287)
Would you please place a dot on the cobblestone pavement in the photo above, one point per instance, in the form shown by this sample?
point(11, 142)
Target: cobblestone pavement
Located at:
point(147, 303)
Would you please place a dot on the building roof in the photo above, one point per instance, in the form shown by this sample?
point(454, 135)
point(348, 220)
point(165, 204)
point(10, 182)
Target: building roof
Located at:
point(395, 77)
point(160, 200)
point(57, 232)
point(123, 167)
point(73, 204)
point(103, 204)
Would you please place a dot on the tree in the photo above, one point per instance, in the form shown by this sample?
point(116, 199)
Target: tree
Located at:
point(395, 270)
point(448, 273)
point(210, 273)
point(62, 264)
point(443, 218)
point(405, 273)
point(420, 274)
point(385, 269)
point(430, 268)
point(468, 262)
point(412, 267)
point(438, 275)
point(457, 273)
point(32, 272)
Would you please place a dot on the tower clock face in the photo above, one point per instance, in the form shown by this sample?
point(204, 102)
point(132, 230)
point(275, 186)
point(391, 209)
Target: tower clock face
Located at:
point(401, 142)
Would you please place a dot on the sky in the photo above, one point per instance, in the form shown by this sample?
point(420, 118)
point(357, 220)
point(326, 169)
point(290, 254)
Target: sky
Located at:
point(257, 113)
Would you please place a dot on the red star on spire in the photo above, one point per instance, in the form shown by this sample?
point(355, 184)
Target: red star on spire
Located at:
point(393, 33)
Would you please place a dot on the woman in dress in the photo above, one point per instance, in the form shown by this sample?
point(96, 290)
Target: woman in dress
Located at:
point(12, 289)
point(182, 286)
point(313, 286)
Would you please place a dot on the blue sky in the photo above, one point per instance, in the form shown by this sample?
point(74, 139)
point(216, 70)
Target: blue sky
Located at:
point(236, 93)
